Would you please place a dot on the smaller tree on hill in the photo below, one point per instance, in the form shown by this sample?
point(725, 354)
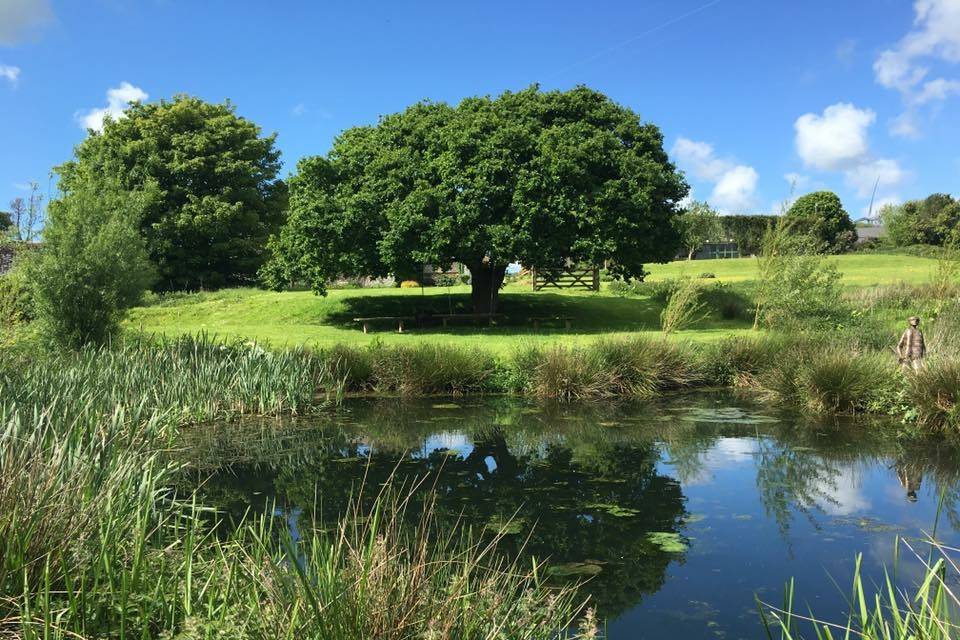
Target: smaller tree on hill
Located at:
point(698, 225)
point(821, 215)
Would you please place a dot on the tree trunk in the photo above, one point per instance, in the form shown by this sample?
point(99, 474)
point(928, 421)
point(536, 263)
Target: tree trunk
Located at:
point(690, 254)
point(485, 281)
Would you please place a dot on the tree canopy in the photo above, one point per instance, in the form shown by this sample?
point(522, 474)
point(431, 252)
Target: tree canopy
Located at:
point(822, 216)
point(218, 198)
point(697, 225)
point(536, 177)
point(935, 220)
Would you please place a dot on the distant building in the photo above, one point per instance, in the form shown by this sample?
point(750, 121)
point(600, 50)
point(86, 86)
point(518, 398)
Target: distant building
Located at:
point(871, 232)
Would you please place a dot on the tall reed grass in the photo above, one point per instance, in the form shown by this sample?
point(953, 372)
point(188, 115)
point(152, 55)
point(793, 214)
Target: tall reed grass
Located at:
point(94, 544)
point(927, 612)
point(187, 379)
point(635, 367)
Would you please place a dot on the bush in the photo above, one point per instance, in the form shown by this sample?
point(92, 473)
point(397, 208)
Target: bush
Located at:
point(707, 275)
point(16, 299)
point(409, 284)
point(93, 265)
point(934, 392)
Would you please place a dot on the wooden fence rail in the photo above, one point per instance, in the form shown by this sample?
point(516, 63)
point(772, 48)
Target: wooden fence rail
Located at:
point(587, 278)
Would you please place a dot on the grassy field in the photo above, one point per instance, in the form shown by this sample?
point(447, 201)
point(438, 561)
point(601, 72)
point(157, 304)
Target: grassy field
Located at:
point(299, 317)
point(859, 269)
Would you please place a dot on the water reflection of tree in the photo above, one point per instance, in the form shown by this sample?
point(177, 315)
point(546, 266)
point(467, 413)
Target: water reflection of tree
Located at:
point(583, 502)
point(582, 482)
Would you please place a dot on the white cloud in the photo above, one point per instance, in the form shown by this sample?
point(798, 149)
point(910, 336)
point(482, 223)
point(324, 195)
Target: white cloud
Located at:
point(836, 139)
point(936, 90)
point(699, 159)
point(884, 173)
point(19, 19)
point(935, 37)
point(905, 126)
point(299, 109)
point(736, 189)
point(118, 99)
point(734, 184)
point(12, 74)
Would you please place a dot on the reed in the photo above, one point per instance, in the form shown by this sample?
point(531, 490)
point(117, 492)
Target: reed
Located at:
point(96, 545)
point(631, 367)
point(889, 612)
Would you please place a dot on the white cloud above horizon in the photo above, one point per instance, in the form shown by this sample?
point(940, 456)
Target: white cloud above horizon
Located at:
point(19, 19)
point(839, 140)
point(882, 173)
point(734, 185)
point(835, 139)
point(10, 73)
point(118, 100)
point(935, 36)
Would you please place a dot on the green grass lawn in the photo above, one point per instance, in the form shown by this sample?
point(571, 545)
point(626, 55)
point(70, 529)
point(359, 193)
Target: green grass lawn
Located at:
point(859, 269)
point(301, 318)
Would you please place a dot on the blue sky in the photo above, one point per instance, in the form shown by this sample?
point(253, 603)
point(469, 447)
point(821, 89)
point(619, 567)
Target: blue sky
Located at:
point(751, 95)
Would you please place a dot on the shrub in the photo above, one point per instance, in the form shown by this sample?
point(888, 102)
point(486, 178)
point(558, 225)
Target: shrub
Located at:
point(934, 392)
point(707, 275)
point(16, 298)
point(683, 308)
point(409, 284)
point(93, 265)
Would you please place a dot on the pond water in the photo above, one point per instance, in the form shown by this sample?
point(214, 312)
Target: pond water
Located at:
point(679, 512)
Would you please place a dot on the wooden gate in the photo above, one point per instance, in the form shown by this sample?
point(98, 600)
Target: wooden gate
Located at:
point(571, 277)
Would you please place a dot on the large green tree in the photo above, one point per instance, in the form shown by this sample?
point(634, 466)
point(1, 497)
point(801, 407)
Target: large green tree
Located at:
point(822, 216)
point(215, 176)
point(536, 177)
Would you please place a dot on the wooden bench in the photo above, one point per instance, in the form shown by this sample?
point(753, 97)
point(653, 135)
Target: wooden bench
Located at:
point(398, 319)
point(489, 317)
point(566, 320)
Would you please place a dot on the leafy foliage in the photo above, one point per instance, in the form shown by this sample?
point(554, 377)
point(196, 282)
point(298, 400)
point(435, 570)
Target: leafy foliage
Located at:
point(697, 225)
point(217, 196)
point(821, 214)
point(933, 220)
point(93, 265)
point(795, 283)
point(747, 231)
point(538, 177)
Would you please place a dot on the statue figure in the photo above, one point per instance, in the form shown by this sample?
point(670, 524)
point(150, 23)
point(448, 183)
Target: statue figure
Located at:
point(911, 348)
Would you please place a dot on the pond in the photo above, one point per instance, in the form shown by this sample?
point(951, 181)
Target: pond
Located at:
point(678, 512)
